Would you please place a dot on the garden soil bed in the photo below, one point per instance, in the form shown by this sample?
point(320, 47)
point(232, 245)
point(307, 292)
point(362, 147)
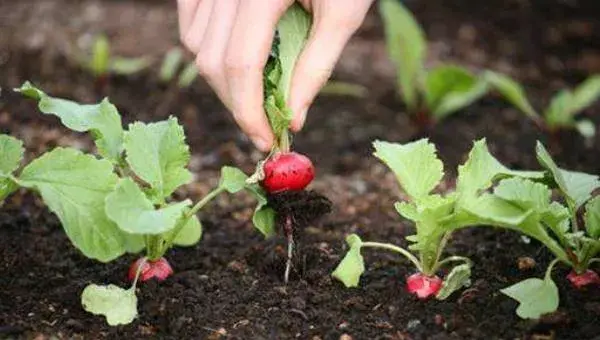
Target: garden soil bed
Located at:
point(230, 284)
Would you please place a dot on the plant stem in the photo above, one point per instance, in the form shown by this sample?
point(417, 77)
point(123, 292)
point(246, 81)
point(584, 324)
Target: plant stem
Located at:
point(396, 249)
point(138, 271)
point(186, 217)
point(548, 275)
point(154, 247)
point(447, 260)
point(288, 229)
point(284, 141)
point(574, 221)
point(440, 248)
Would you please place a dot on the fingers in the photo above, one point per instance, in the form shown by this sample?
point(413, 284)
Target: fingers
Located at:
point(186, 10)
point(246, 55)
point(211, 54)
point(192, 38)
point(332, 28)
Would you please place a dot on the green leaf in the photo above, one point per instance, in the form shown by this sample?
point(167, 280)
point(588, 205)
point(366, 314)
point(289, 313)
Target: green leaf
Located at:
point(278, 114)
point(586, 128)
point(232, 179)
point(190, 234)
point(407, 210)
point(512, 91)
point(293, 29)
point(576, 186)
point(496, 211)
point(557, 218)
point(128, 66)
point(459, 276)
point(342, 88)
point(118, 305)
point(264, 216)
point(100, 56)
point(134, 213)
point(446, 79)
point(187, 76)
point(456, 100)
point(415, 165)
point(102, 119)
point(406, 46)
point(524, 193)
point(352, 265)
point(535, 296)
point(585, 94)
point(449, 88)
point(158, 154)
point(592, 217)
point(481, 169)
point(264, 220)
point(74, 186)
point(170, 64)
point(558, 112)
point(11, 154)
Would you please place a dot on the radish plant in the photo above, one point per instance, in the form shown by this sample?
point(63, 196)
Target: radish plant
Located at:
point(171, 65)
point(563, 109)
point(430, 95)
point(118, 201)
point(280, 179)
point(436, 216)
point(574, 241)
point(101, 64)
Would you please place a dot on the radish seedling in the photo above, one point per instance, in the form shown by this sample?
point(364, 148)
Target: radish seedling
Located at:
point(436, 216)
point(171, 64)
point(429, 95)
point(563, 109)
point(557, 226)
point(101, 64)
point(120, 202)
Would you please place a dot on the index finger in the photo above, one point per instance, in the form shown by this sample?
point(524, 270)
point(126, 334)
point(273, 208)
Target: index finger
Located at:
point(247, 53)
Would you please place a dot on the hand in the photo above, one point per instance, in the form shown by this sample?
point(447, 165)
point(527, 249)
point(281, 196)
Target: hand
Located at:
point(232, 40)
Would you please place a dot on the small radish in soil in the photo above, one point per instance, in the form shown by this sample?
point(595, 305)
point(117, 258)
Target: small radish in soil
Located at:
point(159, 269)
point(587, 278)
point(423, 286)
point(287, 171)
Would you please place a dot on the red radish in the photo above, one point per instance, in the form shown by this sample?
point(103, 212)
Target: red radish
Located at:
point(423, 286)
point(289, 171)
point(581, 280)
point(160, 269)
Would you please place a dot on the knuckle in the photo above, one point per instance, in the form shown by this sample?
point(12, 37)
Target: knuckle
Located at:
point(207, 65)
point(240, 66)
point(187, 41)
point(344, 21)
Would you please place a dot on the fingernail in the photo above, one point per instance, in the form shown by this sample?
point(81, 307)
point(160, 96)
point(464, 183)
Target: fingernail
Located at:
point(260, 143)
point(301, 119)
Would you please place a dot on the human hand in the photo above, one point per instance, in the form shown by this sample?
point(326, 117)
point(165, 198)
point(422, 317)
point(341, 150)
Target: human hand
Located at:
point(232, 41)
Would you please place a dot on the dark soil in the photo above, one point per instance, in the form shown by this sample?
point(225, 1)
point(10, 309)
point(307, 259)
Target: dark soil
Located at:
point(230, 284)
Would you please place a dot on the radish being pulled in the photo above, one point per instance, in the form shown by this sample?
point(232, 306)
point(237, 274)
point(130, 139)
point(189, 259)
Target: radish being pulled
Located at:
point(281, 179)
point(285, 176)
point(289, 171)
point(159, 269)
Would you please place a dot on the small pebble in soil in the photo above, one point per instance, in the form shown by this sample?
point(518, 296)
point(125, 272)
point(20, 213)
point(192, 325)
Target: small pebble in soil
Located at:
point(413, 324)
point(525, 263)
point(343, 325)
point(345, 337)
point(439, 319)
